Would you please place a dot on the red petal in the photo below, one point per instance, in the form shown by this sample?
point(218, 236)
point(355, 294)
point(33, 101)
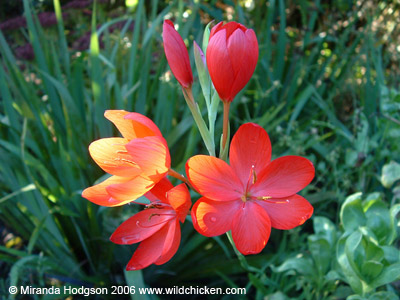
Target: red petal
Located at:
point(237, 51)
point(152, 155)
point(179, 198)
point(283, 177)
point(219, 65)
point(142, 125)
point(141, 226)
point(232, 27)
point(287, 213)
point(177, 54)
point(98, 194)
point(250, 147)
point(252, 49)
point(151, 249)
point(159, 191)
point(150, 196)
point(213, 178)
point(242, 58)
point(111, 155)
point(215, 29)
point(251, 228)
point(131, 190)
point(212, 218)
point(124, 126)
point(175, 238)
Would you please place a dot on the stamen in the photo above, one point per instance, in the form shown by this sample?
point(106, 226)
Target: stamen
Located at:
point(254, 174)
point(160, 215)
point(266, 199)
point(126, 160)
point(152, 205)
point(157, 205)
point(152, 225)
point(121, 151)
point(252, 178)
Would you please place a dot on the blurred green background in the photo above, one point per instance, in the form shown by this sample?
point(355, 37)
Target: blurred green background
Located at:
point(326, 87)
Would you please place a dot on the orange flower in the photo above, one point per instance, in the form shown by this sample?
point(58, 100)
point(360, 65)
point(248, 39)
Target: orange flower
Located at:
point(156, 227)
point(252, 194)
point(137, 160)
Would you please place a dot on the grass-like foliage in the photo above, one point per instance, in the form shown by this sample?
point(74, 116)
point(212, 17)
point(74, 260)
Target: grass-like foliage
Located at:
point(325, 87)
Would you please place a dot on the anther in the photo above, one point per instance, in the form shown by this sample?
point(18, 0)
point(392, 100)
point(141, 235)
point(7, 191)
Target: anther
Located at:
point(121, 151)
point(254, 175)
point(266, 199)
point(126, 160)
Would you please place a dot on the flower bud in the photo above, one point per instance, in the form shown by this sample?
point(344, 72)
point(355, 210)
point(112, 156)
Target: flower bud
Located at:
point(177, 55)
point(232, 55)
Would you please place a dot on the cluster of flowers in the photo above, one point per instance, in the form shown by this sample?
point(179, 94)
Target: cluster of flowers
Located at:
point(247, 197)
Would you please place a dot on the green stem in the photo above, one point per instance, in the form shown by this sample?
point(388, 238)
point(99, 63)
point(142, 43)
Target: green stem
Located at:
point(212, 113)
point(205, 134)
point(240, 256)
point(223, 154)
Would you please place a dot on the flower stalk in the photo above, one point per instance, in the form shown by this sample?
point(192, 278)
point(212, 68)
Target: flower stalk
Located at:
point(225, 129)
point(242, 259)
point(194, 109)
point(176, 175)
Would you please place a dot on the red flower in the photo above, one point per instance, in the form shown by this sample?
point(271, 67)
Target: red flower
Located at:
point(137, 161)
point(252, 194)
point(157, 227)
point(177, 55)
point(232, 55)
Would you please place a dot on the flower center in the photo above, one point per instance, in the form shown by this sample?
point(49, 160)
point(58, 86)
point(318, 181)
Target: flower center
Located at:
point(246, 197)
point(250, 182)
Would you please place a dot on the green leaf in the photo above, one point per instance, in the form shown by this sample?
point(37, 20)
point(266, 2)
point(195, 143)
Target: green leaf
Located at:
point(384, 295)
point(323, 227)
point(206, 37)
point(371, 269)
point(35, 234)
point(303, 265)
point(351, 213)
point(391, 254)
point(362, 139)
point(373, 251)
point(258, 284)
point(300, 101)
point(351, 276)
point(378, 219)
point(276, 296)
point(394, 222)
point(356, 297)
point(62, 38)
point(321, 251)
point(354, 250)
point(98, 90)
point(390, 174)
point(204, 77)
point(29, 187)
point(388, 275)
